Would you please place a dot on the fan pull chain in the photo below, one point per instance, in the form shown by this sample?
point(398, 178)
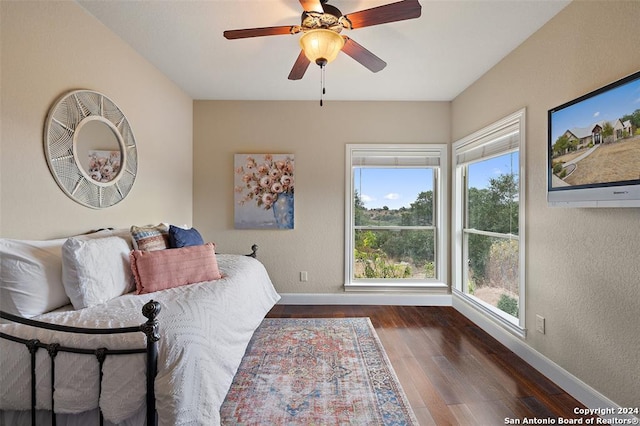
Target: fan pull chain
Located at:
point(322, 83)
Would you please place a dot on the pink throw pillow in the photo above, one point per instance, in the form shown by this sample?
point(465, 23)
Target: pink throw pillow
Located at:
point(163, 269)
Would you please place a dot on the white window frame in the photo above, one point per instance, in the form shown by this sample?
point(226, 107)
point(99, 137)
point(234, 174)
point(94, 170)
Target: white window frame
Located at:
point(440, 220)
point(488, 142)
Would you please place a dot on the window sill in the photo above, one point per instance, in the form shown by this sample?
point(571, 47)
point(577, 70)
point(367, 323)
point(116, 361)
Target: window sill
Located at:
point(506, 321)
point(433, 287)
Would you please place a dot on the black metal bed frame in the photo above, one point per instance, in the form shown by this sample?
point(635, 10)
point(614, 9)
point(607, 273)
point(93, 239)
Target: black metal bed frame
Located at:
point(150, 328)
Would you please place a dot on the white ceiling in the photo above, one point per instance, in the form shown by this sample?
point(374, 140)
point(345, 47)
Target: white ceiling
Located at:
point(434, 57)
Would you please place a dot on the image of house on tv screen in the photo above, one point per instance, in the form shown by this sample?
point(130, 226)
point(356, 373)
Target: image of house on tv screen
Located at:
point(595, 139)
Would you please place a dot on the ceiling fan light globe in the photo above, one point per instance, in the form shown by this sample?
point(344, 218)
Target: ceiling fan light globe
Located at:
point(321, 45)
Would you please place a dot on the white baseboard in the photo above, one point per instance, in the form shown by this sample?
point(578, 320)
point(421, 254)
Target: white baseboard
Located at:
point(365, 299)
point(568, 382)
point(575, 387)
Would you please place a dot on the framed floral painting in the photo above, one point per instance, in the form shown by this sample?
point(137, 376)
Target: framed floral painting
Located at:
point(264, 191)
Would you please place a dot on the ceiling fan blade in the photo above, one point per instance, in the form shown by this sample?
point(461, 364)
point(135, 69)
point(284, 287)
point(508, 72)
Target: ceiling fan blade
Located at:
point(312, 6)
point(393, 12)
point(259, 32)
point(300, 67)
point(362, 55)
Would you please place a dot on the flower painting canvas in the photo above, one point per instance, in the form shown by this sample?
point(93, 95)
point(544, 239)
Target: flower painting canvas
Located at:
point(264, 189)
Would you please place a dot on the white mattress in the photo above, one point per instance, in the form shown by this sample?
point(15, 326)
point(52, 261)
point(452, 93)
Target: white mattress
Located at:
point(205, 329)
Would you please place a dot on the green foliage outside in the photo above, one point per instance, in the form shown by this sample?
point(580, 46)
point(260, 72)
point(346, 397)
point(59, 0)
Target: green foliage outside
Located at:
point(508, 304)
point(471, 287)
point(493, 262)
point(395, 253)
point(377, 265)
point(429, 270)
point(493, 209)
point(376, 262)
point(502, 270)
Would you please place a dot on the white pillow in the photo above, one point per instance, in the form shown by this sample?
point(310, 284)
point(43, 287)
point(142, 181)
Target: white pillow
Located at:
point(31, 277)
point(95, 271)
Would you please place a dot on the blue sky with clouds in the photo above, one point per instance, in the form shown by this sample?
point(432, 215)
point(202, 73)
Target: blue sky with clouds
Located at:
point(396, 188)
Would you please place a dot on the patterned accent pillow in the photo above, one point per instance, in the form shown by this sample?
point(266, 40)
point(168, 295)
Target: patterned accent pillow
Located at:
point(180, 237)
point(150, 237)
point(161, 270)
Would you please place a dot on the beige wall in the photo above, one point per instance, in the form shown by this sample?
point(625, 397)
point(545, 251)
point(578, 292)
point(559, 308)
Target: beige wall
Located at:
point(317, 137)
point(583, 268)
point(49, 48)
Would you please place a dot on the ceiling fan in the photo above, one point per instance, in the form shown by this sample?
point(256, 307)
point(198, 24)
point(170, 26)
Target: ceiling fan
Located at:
point(321, 25)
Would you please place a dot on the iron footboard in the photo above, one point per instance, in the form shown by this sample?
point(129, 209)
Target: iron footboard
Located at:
point(150, 328)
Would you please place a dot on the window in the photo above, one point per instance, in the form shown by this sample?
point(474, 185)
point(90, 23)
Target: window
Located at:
point(394, 222)
point(488, 215)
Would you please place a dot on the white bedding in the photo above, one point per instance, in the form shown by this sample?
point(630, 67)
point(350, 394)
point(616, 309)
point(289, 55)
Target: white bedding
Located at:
point(204, 330)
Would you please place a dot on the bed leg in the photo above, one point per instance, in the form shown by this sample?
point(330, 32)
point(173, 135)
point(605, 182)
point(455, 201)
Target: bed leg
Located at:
point(32, 345)
point(53, 352)
point(151, 310)
point(101, 355)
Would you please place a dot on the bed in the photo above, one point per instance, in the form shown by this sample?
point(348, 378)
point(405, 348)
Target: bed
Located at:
point(204, 328)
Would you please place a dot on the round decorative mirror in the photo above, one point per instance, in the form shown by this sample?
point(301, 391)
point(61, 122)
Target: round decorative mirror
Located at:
point(90, 149)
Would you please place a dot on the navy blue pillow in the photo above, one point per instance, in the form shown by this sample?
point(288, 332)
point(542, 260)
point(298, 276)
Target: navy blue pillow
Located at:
point(180, 237)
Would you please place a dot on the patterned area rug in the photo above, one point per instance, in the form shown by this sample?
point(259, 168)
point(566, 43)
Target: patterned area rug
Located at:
point(316, 372)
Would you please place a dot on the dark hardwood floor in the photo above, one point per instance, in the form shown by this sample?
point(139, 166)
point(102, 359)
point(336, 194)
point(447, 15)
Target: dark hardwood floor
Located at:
point(451, 370)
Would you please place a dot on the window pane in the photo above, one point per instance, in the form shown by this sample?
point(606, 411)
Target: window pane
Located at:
point(393, 196)
point(493, 194)
point(384, 253)
point(493, 271)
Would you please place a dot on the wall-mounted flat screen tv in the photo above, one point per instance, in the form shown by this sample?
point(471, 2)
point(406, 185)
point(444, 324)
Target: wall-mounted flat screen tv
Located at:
point(594, 148)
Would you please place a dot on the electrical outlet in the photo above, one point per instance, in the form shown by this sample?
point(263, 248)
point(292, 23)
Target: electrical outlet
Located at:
point(304, 277)
point(540, 324)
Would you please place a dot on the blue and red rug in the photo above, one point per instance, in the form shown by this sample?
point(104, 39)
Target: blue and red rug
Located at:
point(316, 372)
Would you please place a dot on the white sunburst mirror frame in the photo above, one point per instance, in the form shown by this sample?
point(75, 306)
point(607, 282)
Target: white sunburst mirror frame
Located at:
point(65, 143)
